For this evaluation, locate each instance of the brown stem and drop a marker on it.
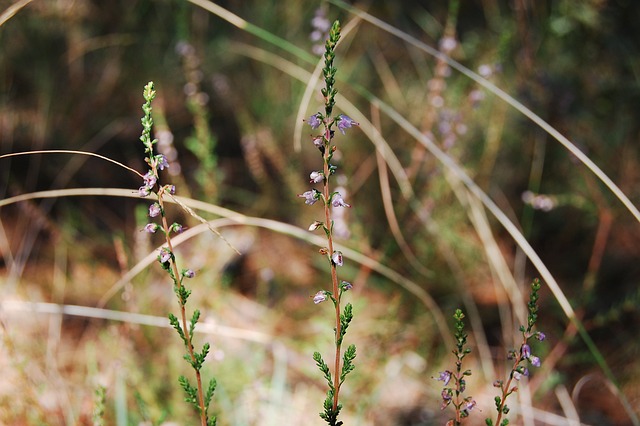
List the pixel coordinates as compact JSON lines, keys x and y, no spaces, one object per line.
{"x":183,"y":313}
{"x":505,"y":388}
{"x":334,"y":273}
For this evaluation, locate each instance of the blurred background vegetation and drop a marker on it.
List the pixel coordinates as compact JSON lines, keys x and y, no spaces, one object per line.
{"x":230,"y":101}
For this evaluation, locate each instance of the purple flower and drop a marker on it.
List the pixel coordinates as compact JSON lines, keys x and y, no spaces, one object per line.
{"x":162,"y":162}
{"x":150,"y":179}
{"x":310,"y":196}
{"x":522,"y":371}
{"x":345,"y":122}
{"x":154,"y":210}
{"x":318,"y":141}
{"x":188,"y":273}
{"x":526,"y":351}
{"x":165,"y":255}
{"x":445,"y":376}
{"x":338,"y":201}
{"x":315,"y":120}
{"x":177,"y":228}
{"x":535,"y":361}
{"x":447,"y":396}
{"x":144,"y":191}
{"x":469,"y":405}
{"x":346,"y":286}
{"x":316,"y":177}
{"x":171,"y":189}
{"x":319,"y":297}
{"x":540,"y":336}
{"x":336,"y":258}
{"x":151,"y":228}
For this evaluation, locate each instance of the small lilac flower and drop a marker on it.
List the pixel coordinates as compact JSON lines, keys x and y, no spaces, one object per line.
{"x":540,"y":336}
{"x":319,"y":297}
{"x":526,"y":351}
{"x":316,"y":177}
{"x":345,"y":122}
{"x":447,"y":397}
{"x":446,"y":394}
{"x":154,"y":210}
{"x":151,"y":228}
{"x":318,"y":141}
{"x":338,"y":201}
{"x":315,"y":120}
{"x":165,"y":255}
{"x":346,"y":285}
{"x":177,"y":228}
{"x":445,"y":376}
{"x":315,"y":225}
{"x":144,"y":191}
{"x":188,"y":273}
{"x":520,"y":372}
{"x":171,"y":189}
{"x":310,"y":196}
{"x":161,"y":162}
{"x":150,"y":179}
{"x":535,"y":361}
{"x":336,"y":258}
{"x":469,"y":405}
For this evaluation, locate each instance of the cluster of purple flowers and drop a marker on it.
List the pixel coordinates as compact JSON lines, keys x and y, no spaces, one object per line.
{"x":335,"y":199}
{"x":150,"y":180}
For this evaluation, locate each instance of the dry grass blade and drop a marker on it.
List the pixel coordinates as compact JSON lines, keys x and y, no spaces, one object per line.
{"x":235,"y":218}
{"x":12,"y":10}
{"x":131,"y":318}
{"x":70,"y":151}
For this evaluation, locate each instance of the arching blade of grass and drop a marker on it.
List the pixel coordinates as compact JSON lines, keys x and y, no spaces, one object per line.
{"x":131,"y":318}
{"x":12,"y":10}
{"x":233,"y":218}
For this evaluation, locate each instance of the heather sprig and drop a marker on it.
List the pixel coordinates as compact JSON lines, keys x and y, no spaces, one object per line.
{"x":100,"y":398}
{"x":453,"y":395}
{"x":519,"y":367}
{"x":343,"y":363}
{"x":195,"y":395}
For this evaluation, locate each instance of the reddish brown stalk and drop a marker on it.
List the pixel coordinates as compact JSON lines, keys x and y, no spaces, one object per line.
{"x":334,"y":273}
{"x":505,"y":388}
{"x":183,"y":314}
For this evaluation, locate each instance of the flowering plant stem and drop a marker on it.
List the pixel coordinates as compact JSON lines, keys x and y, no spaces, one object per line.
{"x":454,"y":395}
{"x":343,"y":363}
{"x":157,"y":162}
{"x":518,"y":370}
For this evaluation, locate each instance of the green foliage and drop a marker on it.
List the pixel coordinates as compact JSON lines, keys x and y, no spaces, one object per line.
{"x":347,"y":362}
{"x":324,"y":368}
{"x":330,"y":415}
{"x":100,"y":399}
{"x":190,"y":391}
{"x":345,"y":319}
{"x":173,"y":320}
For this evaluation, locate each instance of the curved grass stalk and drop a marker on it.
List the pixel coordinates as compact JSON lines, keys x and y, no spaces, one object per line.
{"x":131,"y":318}
{"x":12,"y":10}
{"x":235,"y":218}
{"x":71,"y":151}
